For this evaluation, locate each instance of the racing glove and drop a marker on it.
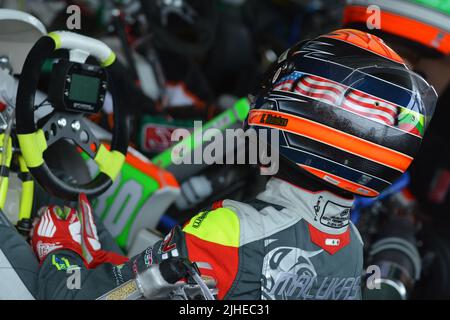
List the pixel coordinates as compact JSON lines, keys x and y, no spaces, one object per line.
{"x":56,"y":229}
{"x":69,"y":229}
{"x":90,"y":243}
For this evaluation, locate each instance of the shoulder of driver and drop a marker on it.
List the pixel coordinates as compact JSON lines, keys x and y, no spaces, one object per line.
{"x":219,"y":226}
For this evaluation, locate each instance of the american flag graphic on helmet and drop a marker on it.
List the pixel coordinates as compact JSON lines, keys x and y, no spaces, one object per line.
{"x":334,"y":93}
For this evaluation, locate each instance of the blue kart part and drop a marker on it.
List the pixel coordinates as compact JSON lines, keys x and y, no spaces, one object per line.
{"x":361,"y":202}
{"x":166,"y":223}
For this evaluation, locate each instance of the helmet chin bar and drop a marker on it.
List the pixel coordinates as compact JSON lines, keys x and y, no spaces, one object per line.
{"x":34,"y":138}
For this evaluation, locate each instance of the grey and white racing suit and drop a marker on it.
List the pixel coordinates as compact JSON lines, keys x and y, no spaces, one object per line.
{"x":18,"y":264}
{"x":288,"y":243}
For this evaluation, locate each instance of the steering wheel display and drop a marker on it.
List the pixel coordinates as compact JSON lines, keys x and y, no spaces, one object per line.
{"x":76,"y":88}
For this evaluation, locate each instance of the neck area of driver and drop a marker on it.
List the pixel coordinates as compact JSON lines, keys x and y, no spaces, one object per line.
{"x":323,"y":209}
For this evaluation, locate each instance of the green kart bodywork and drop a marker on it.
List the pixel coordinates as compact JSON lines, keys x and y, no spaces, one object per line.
{"x":145,"y":189}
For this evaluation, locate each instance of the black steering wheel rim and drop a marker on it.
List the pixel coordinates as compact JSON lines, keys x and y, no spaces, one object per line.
{"x":26,"y":128}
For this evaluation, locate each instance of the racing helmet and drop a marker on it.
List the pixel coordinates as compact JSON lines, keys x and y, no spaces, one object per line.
{"x":348,"y":110}
{"x":18,"y":33}
{"x":424,"y":24}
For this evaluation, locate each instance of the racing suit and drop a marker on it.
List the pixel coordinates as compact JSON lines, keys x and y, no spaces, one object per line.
{"x":289,"y":243}
{"x":18,"y":265}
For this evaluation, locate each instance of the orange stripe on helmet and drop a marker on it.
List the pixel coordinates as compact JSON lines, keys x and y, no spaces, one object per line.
{"x":341,"y":182}
{"x":365,"y":41}
{"x":404,"y":27}
{"x":330,"y":136}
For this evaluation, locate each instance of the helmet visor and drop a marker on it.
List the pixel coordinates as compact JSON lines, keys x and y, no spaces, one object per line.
{"x":381,"y":95}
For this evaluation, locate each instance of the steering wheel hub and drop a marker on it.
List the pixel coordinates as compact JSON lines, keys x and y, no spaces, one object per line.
{"x":76,"y":88}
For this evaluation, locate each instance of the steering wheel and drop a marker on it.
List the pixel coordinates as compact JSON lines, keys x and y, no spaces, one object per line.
{"x":34,"y":138}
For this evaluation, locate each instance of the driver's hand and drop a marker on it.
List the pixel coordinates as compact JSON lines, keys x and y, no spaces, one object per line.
{"x":70,"y":229}
{"x":56,"y":229}
{"x":94,"y":254}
